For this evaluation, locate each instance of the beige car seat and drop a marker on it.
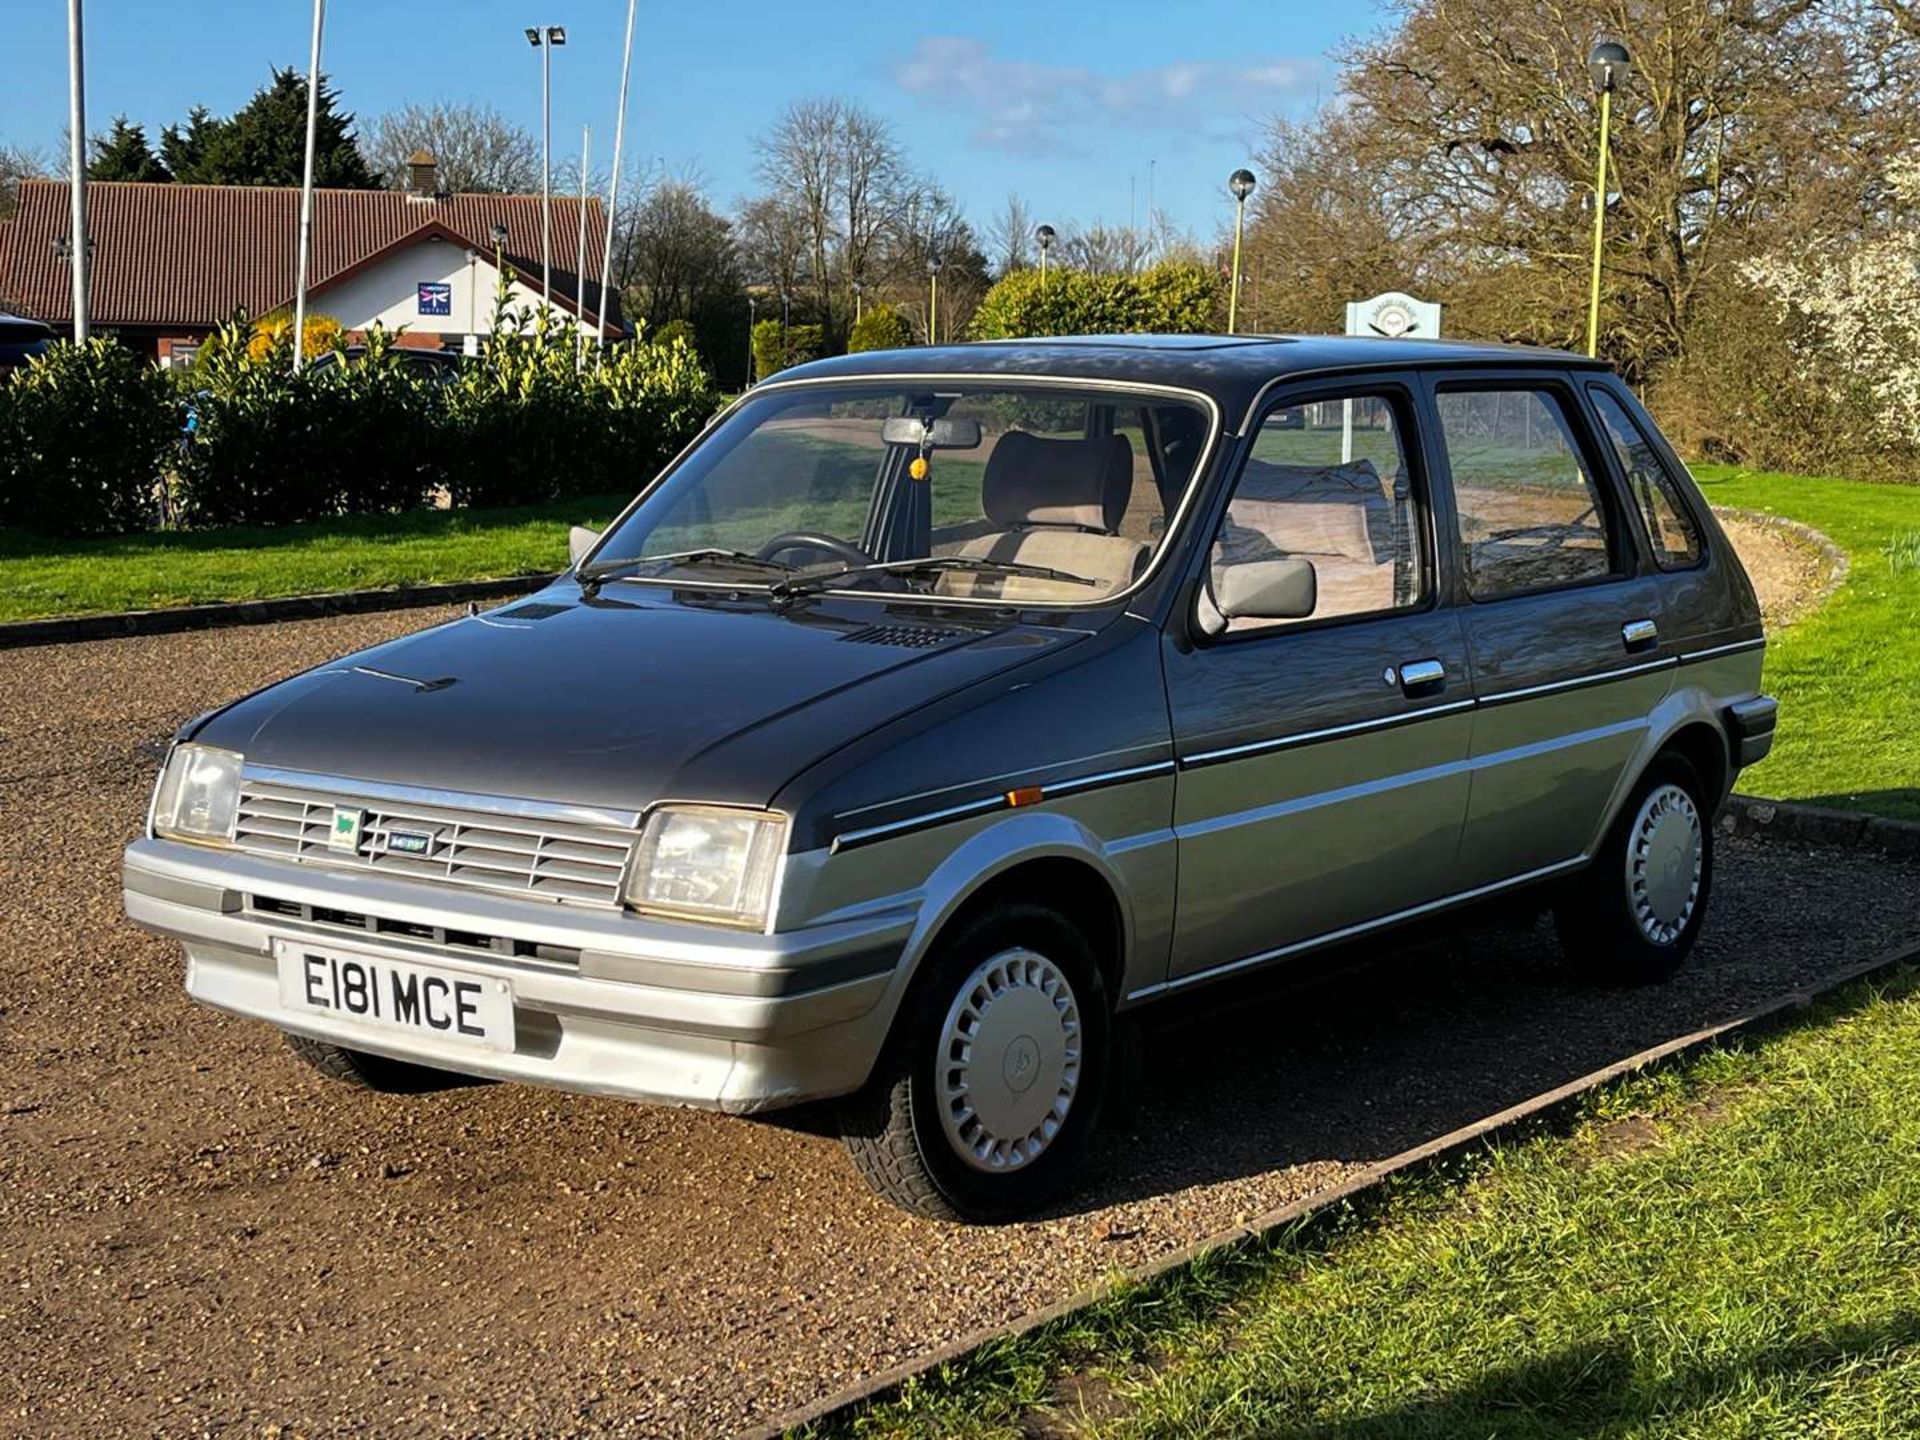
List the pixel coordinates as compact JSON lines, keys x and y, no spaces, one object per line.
{"x":1056,"y":503}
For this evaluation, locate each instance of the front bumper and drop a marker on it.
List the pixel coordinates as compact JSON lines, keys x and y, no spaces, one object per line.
{"x":605,"y":1002}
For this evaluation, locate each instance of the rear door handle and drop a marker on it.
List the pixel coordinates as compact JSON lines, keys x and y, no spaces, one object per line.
{"x":1422,"y":677}
{"x":1638,"y":635}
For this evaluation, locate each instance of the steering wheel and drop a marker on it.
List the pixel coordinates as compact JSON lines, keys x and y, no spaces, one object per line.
{"x":810,"y":540}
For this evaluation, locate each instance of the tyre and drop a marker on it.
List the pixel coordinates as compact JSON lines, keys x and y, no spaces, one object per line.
{"x":984,"y":1100}
{"x":1635,"y":913}
{"x":370,"y":1072}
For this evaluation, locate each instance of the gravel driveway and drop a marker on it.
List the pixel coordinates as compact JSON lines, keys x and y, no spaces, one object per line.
{"x":197,"y":1235}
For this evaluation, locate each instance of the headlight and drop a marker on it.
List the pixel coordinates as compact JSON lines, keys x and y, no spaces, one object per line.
{"x":708,"y":862}
{"x":198,"y":795}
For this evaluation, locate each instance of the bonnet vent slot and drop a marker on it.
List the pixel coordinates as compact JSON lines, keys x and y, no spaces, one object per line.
{"x":909,"y":637}
{"x":534,"y":610}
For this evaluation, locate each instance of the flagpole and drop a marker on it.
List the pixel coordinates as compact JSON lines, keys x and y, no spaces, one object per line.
{"x":580,"y":257}
{"x":613,"y":185}
{"x":77,"y":160}
{"x":306,"y":193}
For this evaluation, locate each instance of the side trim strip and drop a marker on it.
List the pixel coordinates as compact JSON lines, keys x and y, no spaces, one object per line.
{"x":1333,"y":732}
{"x":1579,"y":682}
{"x":1349,"y":932}
{"x":1735,"y":648}
{"x":1079,"y":784}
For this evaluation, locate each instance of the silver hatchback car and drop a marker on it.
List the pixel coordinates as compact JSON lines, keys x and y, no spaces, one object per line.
{"x":937,"y":708}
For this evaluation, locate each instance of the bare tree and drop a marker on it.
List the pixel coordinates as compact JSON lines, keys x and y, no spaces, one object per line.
{"x":773,"y":239}
{"x":683,"y":255}
{"x":476,"y":148}
{"x":1103,"y":249}
{"x":17,"y":163}
{"x":1462,"y":155}
{"x":838,"y":172}
{"x":1009,"y":237}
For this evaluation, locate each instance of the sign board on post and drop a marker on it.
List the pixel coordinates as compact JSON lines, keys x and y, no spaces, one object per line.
{"x":1397,"y":316}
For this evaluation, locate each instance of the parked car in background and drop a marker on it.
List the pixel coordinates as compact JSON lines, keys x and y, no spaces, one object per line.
{"x":21,"y":339}
{"x":938,"y":707}
{"x":440,"y":367}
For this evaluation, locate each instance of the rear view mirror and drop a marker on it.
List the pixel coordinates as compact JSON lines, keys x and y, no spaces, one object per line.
{"x":942,"y":434}
{"x":1260,"y":590}
{"x":580,"y":540}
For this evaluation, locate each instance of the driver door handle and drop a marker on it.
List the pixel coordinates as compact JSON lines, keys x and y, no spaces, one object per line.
{"x":1422,"y":677}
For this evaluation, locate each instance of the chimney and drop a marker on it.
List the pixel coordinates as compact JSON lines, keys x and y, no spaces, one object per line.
{"x":423,"y":176}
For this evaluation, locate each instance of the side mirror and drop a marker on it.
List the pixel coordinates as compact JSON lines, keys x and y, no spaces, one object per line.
{"x":1260,"y":590}
{"x":579,"y":541}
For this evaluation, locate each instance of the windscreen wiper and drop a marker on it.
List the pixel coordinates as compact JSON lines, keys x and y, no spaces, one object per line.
{"x":813,"y":584}
{"x":708,"y":555}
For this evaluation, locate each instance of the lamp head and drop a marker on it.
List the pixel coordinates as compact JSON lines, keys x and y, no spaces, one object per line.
{"x":556,"y":34}
{"x":533,"y":37}
{"x":1045,"y":235}
{"x":1240,"y":183}
{"x":1609,"y":64}
{"x":499,"y":234}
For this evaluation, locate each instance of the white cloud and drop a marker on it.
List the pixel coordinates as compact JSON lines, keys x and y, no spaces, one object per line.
{"x":1030,"y":108}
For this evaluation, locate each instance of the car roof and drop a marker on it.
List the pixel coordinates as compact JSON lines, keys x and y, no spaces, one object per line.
{"x":1233,"y":369}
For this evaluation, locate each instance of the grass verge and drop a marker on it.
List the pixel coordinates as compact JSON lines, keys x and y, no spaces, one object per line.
{"x":1726,"y":1247}
{"x":40,"y":577}
{"x":1848,"y":675}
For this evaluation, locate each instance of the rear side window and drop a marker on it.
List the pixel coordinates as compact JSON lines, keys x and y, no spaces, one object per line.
{"x":1655,"y":491}
{"x":1530,"y":509}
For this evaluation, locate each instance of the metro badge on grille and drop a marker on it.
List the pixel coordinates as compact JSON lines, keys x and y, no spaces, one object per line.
{"x":409,"y":842}
{"x":345,"y":831}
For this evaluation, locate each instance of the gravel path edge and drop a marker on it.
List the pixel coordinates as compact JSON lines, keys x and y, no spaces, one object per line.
{"x":1790,"y":822}
{"x":1370,"y":1181}
{"x":68,"y":629}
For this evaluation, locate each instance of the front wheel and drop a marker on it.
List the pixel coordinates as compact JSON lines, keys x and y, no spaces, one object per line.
{"x":993,"y":1081}
{"x":1637,"y":911}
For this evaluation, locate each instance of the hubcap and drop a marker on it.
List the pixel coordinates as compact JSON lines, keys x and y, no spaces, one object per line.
{"x":1665,"y":857}
{"x":1009,"y":1061}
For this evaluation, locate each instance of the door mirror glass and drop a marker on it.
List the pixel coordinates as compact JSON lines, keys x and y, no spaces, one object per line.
{"x":579,"y":541}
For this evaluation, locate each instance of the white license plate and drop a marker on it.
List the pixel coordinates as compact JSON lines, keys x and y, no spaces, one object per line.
{"x":389,"y":994}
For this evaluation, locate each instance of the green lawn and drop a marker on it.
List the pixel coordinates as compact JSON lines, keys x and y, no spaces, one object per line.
{"x":1848,"y":675}
{"x":1728,"y":1249}
{"x":138,"y":572}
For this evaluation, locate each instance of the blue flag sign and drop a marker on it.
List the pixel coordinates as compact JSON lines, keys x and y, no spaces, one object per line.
{"x":436,"y":297}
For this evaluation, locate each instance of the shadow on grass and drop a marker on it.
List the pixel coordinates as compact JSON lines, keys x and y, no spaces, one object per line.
{"x":1598,"y":1388}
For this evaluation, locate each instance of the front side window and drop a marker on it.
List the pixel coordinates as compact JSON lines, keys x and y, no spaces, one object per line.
{"x":1327,"y":482}
{"x":1044,"y":494}
{"x":1530,"y":510}
{"x":1656,"y":495}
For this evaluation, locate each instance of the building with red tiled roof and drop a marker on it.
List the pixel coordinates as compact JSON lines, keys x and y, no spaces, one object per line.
{"x":170,"y":262}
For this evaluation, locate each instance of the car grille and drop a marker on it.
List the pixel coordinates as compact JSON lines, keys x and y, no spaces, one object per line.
{"x":550,"y":859}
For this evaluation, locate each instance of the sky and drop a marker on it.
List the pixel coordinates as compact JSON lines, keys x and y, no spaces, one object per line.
{"x":1082,"y":107}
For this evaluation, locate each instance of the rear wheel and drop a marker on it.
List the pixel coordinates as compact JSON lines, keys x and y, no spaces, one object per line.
{"x":993,"y":1081}
{"x":1637,"y":911}
{"x":371,"y":1072}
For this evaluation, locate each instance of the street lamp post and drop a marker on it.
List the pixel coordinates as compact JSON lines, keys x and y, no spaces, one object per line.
{"x":77,"y":157}
{"x":306,"y":192}
{"x":1044,"y":237}
{"x":1608,"y":64}
{"x":1240,"y":185}
{"x":934,"y":262}
{"x":858,"y":291}
{"x":580,"y":257}
{"x":753,"y":318}
{"x":543,"y":38}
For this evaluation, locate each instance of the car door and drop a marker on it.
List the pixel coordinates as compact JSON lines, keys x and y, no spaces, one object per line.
{"x":1322,"y":761}
{"x":1562,"y":617}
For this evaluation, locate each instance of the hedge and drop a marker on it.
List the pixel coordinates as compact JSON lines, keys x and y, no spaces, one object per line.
{"x":87,"y":436}
{"x":1176,"y":297}
{"x":881,"y":327}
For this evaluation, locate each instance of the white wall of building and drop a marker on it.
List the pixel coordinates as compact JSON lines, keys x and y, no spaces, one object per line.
{"x":388,"y":292}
